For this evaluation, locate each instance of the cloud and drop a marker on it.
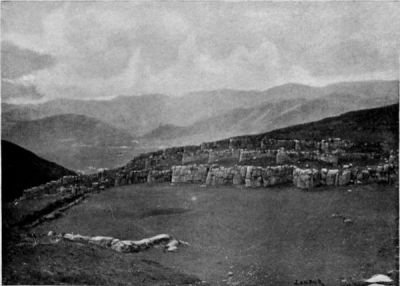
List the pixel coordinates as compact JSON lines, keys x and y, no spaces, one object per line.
{"x":17,"y":62}
{"x":104,"y":49}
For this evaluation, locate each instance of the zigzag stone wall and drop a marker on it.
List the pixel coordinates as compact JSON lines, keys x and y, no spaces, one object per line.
{"x":171,"y":165}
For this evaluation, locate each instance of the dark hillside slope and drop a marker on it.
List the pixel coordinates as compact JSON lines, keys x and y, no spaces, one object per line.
{"x":369,"y":125}
{"x":77,"y":142}
{"x":22,"y":169}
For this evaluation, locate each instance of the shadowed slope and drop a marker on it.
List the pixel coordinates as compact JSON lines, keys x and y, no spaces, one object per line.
{"x":22,"y":169}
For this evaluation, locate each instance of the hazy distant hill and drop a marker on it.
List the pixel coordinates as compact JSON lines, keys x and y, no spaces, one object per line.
{"x":75,"y":141}
{"x":132,"y":114}
{"x":141,"y":114}
{"x":263,"y":118}
{"x":22,"y":169}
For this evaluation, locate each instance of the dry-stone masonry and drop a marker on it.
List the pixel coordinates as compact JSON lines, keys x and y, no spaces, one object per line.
{"x":310,"y":178}
{"x":216,"y":145}
{"x":189,"y":174}
{"x":176,"y":165}
{"x":231,"y":155}
{"x":194,"y":154}
{"x":252,"y":155}
{"x":270,"y":176}
{"x":162,"y":176}
{"x":245,"y":142}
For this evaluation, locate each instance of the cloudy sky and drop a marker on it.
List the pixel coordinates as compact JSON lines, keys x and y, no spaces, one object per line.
{"x":106,"y":49}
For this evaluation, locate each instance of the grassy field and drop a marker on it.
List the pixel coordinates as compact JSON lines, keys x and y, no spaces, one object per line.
{"x":263,"y":236}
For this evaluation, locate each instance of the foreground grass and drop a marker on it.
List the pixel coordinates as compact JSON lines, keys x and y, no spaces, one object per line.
{"x":263,"y":236}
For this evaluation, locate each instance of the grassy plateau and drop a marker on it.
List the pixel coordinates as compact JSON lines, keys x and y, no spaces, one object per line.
{"x":262,"y":236}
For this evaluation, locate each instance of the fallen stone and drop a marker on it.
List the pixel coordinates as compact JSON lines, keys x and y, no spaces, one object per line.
{"x":347,"y":221}
{"x":379,"y":278}
{"x":127,"y":246}
{"x":105,"y":241}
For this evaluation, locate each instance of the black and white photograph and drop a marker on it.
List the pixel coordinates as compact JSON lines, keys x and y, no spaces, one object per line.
{"x":227,"y":143}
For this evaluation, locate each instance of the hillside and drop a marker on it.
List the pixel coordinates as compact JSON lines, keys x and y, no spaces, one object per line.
{"x":369,"y":125}
{"x":75,"y":141}
{"x":140,"y":115}
{"x":22,"y":169}
{"x":264,"y":118}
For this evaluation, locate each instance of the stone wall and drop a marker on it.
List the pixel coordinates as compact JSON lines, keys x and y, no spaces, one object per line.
{"x":307,"y":145}
{"x":303,"y":179}
{"x":219,"y":175}
{"x":332,"y":144}
{"x":67,"y":184}
{"x":139,"y":162}
{"x":216,"y":145}
{"x":157,"y":176}
{"x":253,"y":155}
{"x":165,"y":165}
{"x":306,"y":178}
{"x":245,"y":142}
{"x":345,"y":157}
{"x":270,"y":176}
{"x":230,"y":155}
{"x":164,"y":159}
{"x":329,"y":158}
{"x":189,"y":174}
{"x":268,"y":143}
{"x":197,"y":156}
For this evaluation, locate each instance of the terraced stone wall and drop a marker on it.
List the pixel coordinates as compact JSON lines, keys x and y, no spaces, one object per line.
{"x":189,"y":174}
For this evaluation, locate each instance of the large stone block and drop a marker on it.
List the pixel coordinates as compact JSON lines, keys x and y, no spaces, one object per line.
{"x":344,"y":177}
{"x":332,"y":177}
{"x":189,"y":174}
{"x":219,"y":175}
{"x":306,"y":178}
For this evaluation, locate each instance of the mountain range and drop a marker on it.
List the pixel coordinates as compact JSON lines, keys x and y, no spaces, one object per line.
{"x":84,"y":134}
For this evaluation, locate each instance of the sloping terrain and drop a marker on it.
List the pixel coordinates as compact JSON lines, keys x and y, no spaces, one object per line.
{"x":141,"y":114}
{"x":22,"y":169}
{"x":260,"y":119}
{"x":68,"y":263}
{"x":370,"y":125}
{"x":75,"y":141}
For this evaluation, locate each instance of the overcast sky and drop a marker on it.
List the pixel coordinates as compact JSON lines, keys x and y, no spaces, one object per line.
{"x":105,"y":49}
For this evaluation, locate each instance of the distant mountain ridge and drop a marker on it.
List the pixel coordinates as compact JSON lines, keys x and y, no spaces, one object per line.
{"x":266,"y":117}
{"x":22,"y":169}
{"x":90,"y":134}
{"x":138,"y":115}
